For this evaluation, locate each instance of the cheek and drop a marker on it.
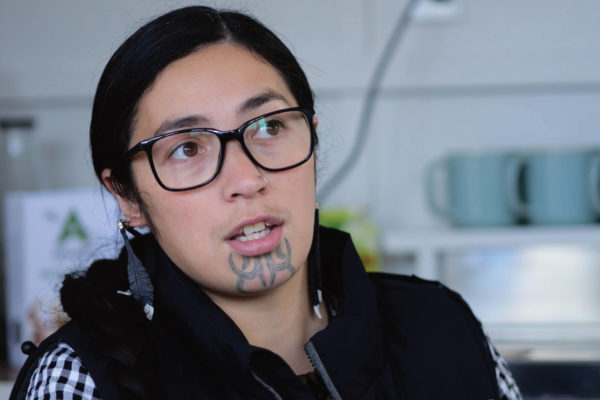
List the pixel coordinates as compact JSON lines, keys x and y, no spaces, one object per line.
{"x":143,"y":179}
{"x":301,"y":196}
{"x":178,"y":214}
{"x":297,"y":190}
{"x":305,"y":187}
{"x":169,"y":213}
{"x":185,"y":231}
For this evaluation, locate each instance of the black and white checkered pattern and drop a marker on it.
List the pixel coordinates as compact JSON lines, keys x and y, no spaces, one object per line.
{"x":61,"y":376}
{"x":507,"y":385}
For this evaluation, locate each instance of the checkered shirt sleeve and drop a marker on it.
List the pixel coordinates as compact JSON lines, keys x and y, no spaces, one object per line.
{"x":506,"y":383}
{"x":61,"y":376}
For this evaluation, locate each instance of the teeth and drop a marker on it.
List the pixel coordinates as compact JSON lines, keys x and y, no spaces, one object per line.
{"x":253,"y":232}
{"x":254,"y":236}
{"x":249,"y":229}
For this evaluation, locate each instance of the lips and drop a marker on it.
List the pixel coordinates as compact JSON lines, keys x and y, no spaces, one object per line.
{"x":256,"y":236}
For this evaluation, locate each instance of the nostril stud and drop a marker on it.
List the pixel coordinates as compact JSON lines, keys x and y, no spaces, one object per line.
{"x":264,"y":179}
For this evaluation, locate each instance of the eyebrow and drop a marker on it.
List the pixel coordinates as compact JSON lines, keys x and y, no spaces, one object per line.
{"x":180,"y":123}
{"x":250,"y":104}
{"x":260,"y":99}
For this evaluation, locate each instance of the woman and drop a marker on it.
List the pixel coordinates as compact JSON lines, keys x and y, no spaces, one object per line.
{"x":203,"y":129}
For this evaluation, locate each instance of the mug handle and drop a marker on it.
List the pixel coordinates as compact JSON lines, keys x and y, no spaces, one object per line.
{"x":516,"y":201}
{"x":432,"y":199}
{"x":595,"y":183}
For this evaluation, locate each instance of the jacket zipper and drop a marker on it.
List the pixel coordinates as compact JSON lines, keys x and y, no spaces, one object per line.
{"x":314,"y":358}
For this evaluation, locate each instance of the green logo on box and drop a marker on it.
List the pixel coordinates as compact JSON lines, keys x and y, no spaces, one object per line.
{"x":72,"y":229}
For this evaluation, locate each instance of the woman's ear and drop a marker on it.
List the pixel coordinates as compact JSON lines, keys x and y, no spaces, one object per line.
{"x":130,"y":209}
{"x":315,"y":122}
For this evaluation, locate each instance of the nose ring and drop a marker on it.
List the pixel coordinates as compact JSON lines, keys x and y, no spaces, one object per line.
{"x":265,"y":180}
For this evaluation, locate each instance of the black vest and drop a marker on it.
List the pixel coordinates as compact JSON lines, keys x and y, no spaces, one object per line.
{"x":392,"y":337}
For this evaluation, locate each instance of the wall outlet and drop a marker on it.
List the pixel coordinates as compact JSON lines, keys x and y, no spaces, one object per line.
{"x":438,"y":10}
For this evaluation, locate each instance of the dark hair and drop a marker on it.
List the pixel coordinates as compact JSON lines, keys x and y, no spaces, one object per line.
{"x":115,"y":322}
{"x":136,"y":64}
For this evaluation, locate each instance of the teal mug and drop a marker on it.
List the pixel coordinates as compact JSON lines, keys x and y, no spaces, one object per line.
{"x":562,"y":187}
{"x":475,"y":190}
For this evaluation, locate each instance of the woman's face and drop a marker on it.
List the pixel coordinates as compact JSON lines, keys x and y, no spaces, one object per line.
{"x":223,"y":86}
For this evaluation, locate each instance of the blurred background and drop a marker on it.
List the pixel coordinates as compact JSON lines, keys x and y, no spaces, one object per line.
{"x":479,"y":165}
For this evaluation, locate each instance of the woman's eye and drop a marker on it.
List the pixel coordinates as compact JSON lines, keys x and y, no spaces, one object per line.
{"x":273,"y":127}
{"x":185,"y":150}
{"x":264,"y":128}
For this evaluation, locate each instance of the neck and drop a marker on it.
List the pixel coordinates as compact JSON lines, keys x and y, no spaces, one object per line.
{"x":281,"y":320}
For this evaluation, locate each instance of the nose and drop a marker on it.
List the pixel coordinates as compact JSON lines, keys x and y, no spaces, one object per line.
{"x":240,"y":177}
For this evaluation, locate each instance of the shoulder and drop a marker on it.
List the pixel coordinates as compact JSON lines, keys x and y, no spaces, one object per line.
{"x":410,"y":294}
{"x":411,"y":304}
{"x":60,"y":374}
{"x":431,"y":332}
{"x":413,"y":283}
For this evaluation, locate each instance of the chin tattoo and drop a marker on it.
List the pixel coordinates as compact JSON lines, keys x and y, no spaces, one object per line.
{"x":263,"y":268}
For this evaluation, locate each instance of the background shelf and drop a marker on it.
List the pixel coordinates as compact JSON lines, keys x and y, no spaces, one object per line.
{"x":425,"y":245}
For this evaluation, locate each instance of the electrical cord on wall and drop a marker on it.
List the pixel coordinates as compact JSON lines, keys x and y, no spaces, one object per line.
{"x":369,"y":102}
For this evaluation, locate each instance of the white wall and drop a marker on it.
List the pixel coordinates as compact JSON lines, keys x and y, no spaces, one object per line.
{"x":511,"y":74}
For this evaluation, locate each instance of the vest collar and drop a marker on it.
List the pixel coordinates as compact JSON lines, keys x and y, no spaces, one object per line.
{"x":350,"y":348}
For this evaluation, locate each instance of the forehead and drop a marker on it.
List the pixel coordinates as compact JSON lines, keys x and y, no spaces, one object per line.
{"x":213,"y":81}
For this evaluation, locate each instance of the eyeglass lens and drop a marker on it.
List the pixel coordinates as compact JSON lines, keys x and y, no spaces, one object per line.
{"x":191,"y":158}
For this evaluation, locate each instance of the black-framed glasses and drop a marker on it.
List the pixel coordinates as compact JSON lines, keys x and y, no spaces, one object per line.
{"x":190,"y":158}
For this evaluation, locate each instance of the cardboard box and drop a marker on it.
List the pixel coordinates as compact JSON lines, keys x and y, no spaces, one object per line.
{"x":48,"y":234}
